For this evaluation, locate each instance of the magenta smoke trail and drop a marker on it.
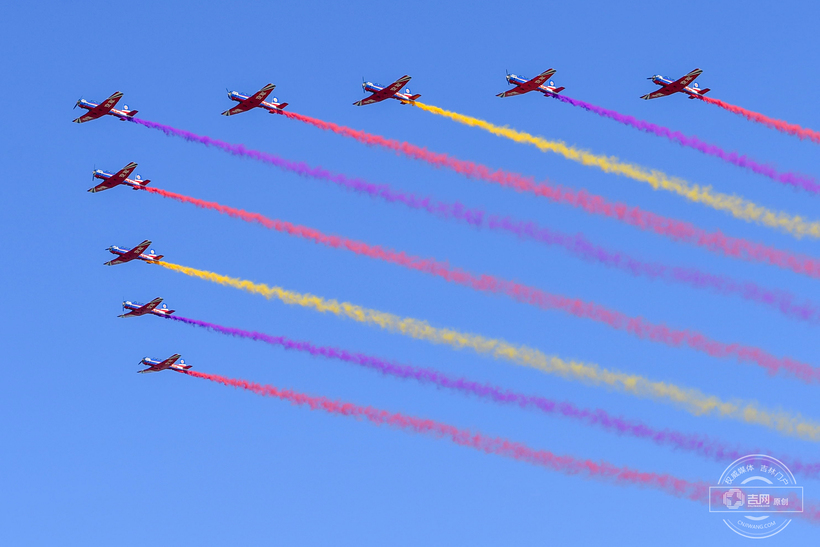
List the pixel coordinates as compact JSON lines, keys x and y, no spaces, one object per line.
{"x":699,"y":444}
{"x":792,"y":179}
{"x":577,"y":244}
{"x":676,"y":230}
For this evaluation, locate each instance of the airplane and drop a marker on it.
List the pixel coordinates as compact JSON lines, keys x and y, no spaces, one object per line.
{"x":380,"y":93}
{"x":669,"y":87}
{"x":138,"y":309}
{"x":155,"y":365}
{"x":523,"y":85}
{"x":247,"y":102}
{"x":127,"y":255}
{"x":106,"y":107}
{"x":120,"y":177}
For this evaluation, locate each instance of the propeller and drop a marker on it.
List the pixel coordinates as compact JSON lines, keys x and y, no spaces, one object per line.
{"x":77,"y":103}
{"x":364,"y":86}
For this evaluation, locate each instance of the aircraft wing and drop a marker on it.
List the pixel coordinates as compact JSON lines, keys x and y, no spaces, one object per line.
{"x":115,"y":179}
{"x":385,"y":93}
{"x":662,"y":92}
{"x":101,"y":109}
{"x":688,"y":79}
{"x":529,"y":85}
{"x":251,"y":102}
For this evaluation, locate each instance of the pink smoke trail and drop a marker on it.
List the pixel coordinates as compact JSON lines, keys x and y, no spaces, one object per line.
{"x":784,"y":127}
{"x":699,"y":444}
{"x":530,"y":295}
{"x":577,"y":245}
{"x":604,"y":471}
{"x":793,"y":179}
{"x":591,"y":203}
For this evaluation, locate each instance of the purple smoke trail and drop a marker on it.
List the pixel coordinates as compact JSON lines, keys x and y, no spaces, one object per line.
{"x":576,"y":244}
{"x":793,"y":179}
{"x":699,"y":444}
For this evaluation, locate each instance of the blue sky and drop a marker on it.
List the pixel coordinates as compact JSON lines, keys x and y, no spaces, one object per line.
{"x":95,"y":454}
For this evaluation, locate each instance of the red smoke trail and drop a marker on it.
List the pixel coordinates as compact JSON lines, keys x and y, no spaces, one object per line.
{"x":697,"y":491}
{"x":676,"y":230}
{"x":790,"y":128}
{"x":523,"y":293}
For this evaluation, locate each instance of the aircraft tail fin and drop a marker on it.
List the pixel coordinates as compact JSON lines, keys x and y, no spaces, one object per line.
{"x":283,"y":105}
{"x":704,"y":91}
{"x":157,"y":258}
{"x":559,"y":89}
{"x":143,"y":183}
{"x":414,"y":97}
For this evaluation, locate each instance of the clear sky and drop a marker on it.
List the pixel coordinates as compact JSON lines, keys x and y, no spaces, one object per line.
{"x":94,"y":454}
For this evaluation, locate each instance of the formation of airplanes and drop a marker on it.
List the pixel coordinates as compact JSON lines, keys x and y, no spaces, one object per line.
{"x":541,"y":83}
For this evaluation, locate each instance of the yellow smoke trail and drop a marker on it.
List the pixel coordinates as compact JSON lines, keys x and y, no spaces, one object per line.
{"x":737,"y":206}
{"x":692,"y":400}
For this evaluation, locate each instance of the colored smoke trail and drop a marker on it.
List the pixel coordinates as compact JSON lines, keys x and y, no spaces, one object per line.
{"x":691,"y":400}
{"x":792,"y":179}
{"x":575,"y":244}
{"x":790,"y":128}
{"x":473,"y":439}
{"x":699,"y":444}
{"x":739,"y":207}
{"x":635,"y":326}
{"x":593,"y":204}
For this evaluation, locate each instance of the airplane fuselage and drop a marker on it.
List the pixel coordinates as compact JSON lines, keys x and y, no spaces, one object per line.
{"x":121,"y":114}
{"x":512,"y":79}
{"x":137,"y":184}
{"x":273,"y":107}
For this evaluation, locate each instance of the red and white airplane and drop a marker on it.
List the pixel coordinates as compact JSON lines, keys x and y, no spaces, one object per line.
{"x":155,"y":365}
{"x":127,"y":255}
{"x":137,"y":309}
{"x":106,"y":107}
{"x":247,"y":102}
{"x":522,"y":85}
{"x":680,"y":85}
{"x":120,"y":177}
{"x":380,"y":93}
